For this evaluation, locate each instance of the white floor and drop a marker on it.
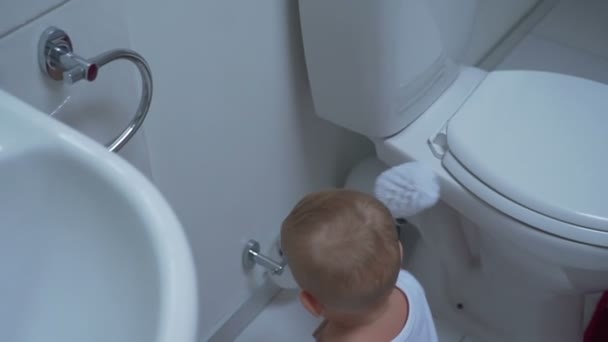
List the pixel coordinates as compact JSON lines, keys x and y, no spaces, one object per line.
{"x":285,"y":320}
{"x":571,"y":40}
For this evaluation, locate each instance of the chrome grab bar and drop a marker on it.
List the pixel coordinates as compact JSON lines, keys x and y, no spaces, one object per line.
{"x":57,"y":61}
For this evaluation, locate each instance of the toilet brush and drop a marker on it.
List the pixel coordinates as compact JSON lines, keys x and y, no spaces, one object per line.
{"x":407,"y":189}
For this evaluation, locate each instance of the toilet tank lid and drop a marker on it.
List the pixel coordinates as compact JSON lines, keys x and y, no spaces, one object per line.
{"x":539,"y":139}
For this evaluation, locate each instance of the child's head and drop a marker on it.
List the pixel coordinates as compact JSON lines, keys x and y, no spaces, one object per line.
{"x":343,"y":250}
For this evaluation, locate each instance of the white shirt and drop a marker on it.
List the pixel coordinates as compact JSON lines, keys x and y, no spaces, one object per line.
{"x":419,"y":326}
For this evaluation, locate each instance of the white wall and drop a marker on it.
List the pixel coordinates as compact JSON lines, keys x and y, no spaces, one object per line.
{"x":494,"y":19}
{"x":233,"y":138}
{"x":471,"y":28}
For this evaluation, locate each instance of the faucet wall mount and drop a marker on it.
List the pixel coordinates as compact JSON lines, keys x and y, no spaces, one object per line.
{"x":57,"y":59}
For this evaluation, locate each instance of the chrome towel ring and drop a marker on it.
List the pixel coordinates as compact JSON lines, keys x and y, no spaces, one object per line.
{"x":57,"y":61}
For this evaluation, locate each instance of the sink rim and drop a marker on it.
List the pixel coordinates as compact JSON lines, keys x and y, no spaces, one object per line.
{"x":178,"y":303}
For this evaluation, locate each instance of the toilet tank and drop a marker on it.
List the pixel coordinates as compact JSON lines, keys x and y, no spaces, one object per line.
{"x":456,"y":19}
{"x":374,"y":65}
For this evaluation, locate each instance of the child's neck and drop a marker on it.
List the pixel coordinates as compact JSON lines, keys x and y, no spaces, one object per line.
{"x":347,"y":321}
{"x":383,"y":322}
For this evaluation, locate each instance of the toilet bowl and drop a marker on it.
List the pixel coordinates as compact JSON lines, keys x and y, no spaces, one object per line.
{"x":520,"y":273}
{"x":521,"y":231}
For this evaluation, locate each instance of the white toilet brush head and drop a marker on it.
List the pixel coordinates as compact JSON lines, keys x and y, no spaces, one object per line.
{"x":407,"y":189}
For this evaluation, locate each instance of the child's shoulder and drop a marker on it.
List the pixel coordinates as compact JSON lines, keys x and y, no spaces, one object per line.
{"x":407,"y":282}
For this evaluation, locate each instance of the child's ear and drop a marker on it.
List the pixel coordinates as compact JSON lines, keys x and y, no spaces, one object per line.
{"x":400,"y":251}
{"x":311,"y":303}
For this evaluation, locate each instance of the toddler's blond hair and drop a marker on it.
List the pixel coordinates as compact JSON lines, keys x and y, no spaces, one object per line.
{"x":343,"y":248}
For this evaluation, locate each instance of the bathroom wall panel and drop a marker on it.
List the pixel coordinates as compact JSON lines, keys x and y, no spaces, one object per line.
{"x":493,"y":20}
{"x":233,"y":137}
{"x":100,"y":109}
{"x":16,"y":13}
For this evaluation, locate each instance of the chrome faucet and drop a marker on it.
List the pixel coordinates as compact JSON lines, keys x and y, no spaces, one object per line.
{"x":59,"y":62}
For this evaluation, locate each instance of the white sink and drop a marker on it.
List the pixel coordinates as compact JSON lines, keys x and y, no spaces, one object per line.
{"x":89,"y":249}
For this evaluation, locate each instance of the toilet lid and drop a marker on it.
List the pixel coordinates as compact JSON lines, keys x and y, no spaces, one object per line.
{"x":541,"y":140}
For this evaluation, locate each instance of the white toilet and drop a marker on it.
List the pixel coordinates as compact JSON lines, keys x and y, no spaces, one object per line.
{"x":521,"y":231}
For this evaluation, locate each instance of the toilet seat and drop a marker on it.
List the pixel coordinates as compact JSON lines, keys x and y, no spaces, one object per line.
{"x":520,"y":134}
